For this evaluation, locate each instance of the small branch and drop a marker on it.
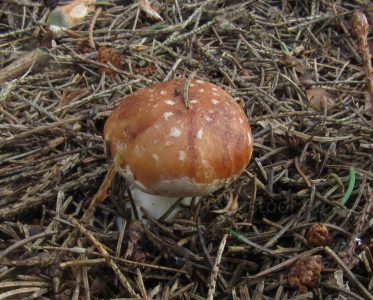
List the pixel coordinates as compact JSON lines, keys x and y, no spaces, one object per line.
{"x":367,"y":295}
{"x":24,"y":64}
{"x":126,"y":284}
{"x":215,"y":269}
{"x":363,"y":219}
{"x":301,"y":173}
{"x":186,"y":89}
{"x":91,"y":27}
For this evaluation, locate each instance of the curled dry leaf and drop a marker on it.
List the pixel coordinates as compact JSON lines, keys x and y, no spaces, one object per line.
{"x":83,"y":46}
{"x":72,"y":95}
{"x":135,"y":234}
{"x":146,"y":7}
{"x":270,"y":124}
{"x":231,"y":208}
{"x":300,"y":65}
{"x":359,"y":24}
{"x":320,"y":98}
{"x":360,"y":28}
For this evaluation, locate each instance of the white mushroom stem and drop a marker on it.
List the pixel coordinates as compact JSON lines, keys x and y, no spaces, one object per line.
{"x":156,"y":206}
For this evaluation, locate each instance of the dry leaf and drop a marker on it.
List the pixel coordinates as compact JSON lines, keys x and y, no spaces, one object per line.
{"x":231,"y":208}
{"x":83,"y":46}
{"x":268,"y":123}
{"x":149,"y":10}
{"x":135,"y":234}
{"x":300,"y":65}
{"x":72,"y":96}
{"x":320,"y":98}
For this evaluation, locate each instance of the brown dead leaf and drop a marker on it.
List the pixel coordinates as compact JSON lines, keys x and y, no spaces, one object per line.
{"x":300,"y":65}
{"x":72,"y":96}
{"x":146,"y":7}
{"x":320,"y":98}
{"x":135,"y":233}
{"x":231,"y":208}
{"x":83,"y":46}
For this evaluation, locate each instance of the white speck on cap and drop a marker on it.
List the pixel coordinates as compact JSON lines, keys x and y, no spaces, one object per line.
{"x":200,"y":134}
{"x":175,"y":132}
{"x":200,"y":81}
{"x":163,"y":92}
{"x":169,"y":102}
{"x":167,"y":115}
{"x":215,"y":102}
{"x":193,"y":101}
{"x":156,"y":157}
{"x":201,"y":90}
{"x":181,"y":155}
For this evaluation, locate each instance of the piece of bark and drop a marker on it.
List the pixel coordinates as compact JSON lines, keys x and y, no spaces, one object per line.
{"x":31,"y":61}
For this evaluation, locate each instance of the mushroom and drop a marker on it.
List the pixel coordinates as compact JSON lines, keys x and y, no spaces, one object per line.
{"x":171,"y":150}
{"x":69,"y":15}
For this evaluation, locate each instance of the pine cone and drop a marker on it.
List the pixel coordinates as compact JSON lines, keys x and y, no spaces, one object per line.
{"x":306,"y":273}
{"x":108,"y":55}
{"x":318,"y":235}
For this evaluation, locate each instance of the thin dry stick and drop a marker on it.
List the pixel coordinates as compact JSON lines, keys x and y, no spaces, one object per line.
{"x":122,"y":278}
{"x":84,"y":272}
{"x":92,"y":26}
{"x":363,"y":219}
{"x":301,"y":173}
{"x":367,"y":295}
{"x":94,"y":261}
{"x":101,"y":194}
{"x":215,"y":269}
{"x":284,"y":264}
{"x":13,"y":294}
{"x":141,"y":285}
{"x":25,"y":241}
{"x":360,"y":27}
{"x":186,"y":89}
{"x":37,"y":130}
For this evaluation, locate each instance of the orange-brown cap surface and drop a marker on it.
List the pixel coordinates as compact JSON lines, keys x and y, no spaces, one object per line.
{"x":172,"y":150}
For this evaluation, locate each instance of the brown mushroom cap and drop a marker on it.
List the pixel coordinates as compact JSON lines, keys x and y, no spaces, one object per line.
{"x":171,"y":150}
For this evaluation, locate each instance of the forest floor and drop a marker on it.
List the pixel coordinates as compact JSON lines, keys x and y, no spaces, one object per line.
{"x":302,"y":228}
